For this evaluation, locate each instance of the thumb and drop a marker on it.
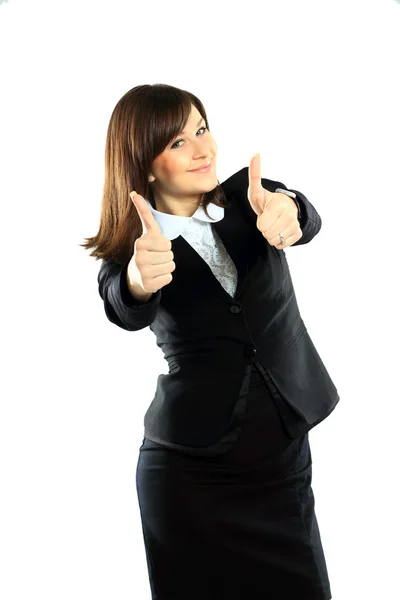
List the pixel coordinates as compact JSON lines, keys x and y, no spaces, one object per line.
{"x":149,"y":223}
{"x":256,"y":191}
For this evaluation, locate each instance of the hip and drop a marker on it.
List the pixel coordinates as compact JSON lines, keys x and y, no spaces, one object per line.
{"x":260,"y":440}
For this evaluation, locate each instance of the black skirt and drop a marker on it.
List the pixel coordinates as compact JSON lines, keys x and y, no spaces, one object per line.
{"x":238,"y":526}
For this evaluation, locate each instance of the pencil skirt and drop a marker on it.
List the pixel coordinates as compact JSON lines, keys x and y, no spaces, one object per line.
{"x":238,"y":526}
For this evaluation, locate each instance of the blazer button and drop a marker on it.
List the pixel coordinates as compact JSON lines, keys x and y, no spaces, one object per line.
{"x":234,"y":308}
{"x":249,"y":351}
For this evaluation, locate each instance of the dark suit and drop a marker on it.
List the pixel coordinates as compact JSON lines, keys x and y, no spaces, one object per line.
{"x":210,"y":339}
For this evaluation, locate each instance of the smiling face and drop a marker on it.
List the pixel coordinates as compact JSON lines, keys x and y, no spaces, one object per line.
{"x":177,"y":189}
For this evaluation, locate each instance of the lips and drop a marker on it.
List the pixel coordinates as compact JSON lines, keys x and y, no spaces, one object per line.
{"x":202,"y":167}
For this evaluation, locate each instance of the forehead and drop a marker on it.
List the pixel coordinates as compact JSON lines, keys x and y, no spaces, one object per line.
{"x":194,"y":119}
{"x":194,"y":114}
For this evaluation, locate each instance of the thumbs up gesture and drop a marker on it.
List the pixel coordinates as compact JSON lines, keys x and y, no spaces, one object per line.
{"x":277,"y":212}
{"x":152,"y":262}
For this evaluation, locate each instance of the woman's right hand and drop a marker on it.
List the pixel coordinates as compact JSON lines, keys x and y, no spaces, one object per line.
{"x":152,"y":262}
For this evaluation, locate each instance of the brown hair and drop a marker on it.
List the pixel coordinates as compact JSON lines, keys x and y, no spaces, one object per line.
{"x":144,"y":121}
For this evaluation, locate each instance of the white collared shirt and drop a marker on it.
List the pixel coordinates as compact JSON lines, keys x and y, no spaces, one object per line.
{"x":197,"y":231}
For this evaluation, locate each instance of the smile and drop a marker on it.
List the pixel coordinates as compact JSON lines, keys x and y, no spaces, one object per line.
{"x":205,"y":170}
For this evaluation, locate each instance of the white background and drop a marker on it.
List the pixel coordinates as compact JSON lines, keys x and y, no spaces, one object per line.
{"x":313,"y":87}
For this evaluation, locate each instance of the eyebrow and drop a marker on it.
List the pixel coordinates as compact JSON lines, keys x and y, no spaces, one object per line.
{"x":180,"y":133}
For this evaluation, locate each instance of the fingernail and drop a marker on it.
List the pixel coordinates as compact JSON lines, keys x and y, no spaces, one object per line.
{"x":132,"y":194}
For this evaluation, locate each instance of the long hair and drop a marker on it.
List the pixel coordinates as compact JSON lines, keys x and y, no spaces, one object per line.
{"x":144,"y":121}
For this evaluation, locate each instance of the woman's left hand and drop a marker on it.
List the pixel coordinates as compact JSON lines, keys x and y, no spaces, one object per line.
{"x":277,"y":212}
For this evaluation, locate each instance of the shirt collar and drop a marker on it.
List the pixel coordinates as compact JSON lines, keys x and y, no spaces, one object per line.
{"x":173,"y":225}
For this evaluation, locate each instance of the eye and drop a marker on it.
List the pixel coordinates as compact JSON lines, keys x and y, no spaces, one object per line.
{"x":177,"y":141}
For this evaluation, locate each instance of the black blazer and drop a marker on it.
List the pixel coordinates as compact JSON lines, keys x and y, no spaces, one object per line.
{"x":211,"y":339}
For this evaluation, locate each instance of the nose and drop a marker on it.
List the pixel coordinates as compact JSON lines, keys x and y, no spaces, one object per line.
{"x":205,"y":152}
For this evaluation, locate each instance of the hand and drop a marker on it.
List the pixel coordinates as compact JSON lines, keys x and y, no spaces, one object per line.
{"x":277,"y":212}
{"x":152,"y":262}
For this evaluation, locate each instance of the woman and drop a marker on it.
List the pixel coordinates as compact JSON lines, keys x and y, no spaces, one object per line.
{"x":224,"y":470}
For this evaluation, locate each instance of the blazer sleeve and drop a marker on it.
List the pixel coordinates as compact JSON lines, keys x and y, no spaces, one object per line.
{"x":120,"y":306}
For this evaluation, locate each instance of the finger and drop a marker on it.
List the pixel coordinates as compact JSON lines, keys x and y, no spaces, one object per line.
{"x":153,"y":256}
{"x":272,"y":223}
{"x":150,"y":271}
{"x":290,"y":236}
{"x":289,"y":240}
{"x":256,"y":190}
{"x":149,"y":223}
